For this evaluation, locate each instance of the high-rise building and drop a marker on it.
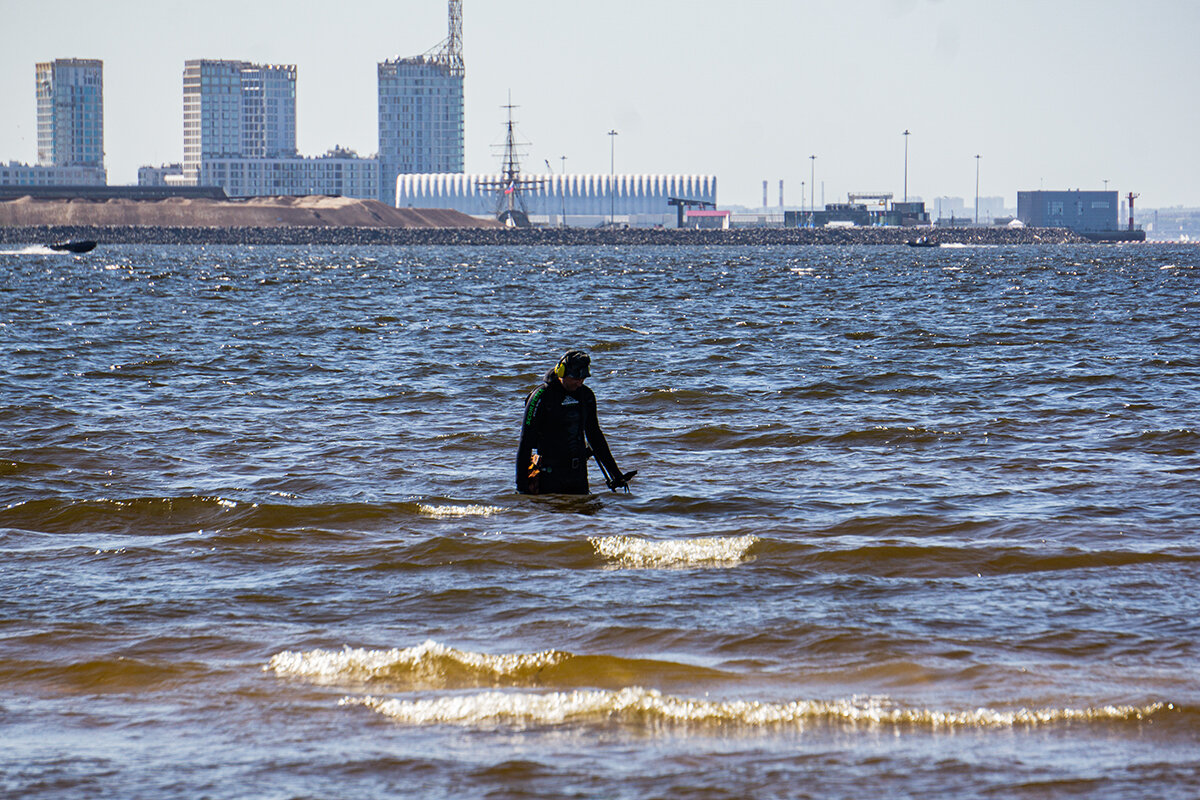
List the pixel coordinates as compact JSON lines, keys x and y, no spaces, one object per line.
{"x":70,"y":113}
{"x":421,"y":111}
{"x":70,"y":127}
{"x":235,"y":109}
{"x":239,"y":133}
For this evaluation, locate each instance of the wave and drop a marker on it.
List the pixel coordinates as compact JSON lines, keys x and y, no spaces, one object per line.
{"x":650,"y":708}
{"x":937,"y":561}
{"x":436,"y":533}
{"x":432,"y":665}
{"x":1174,"y":442}
{"x":104,"y":674}
{"x":631,"y":551}
{"x":722,"y":437}
{"x":188,"y":513}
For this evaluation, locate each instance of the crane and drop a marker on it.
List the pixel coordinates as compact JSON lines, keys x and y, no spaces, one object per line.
{"x":680,"y":203}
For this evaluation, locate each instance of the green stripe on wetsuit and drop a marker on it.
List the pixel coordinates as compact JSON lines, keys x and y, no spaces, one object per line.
{"x":531,"y":404}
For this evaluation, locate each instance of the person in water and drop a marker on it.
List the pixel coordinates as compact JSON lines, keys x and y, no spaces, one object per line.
{"x":560,"y":424}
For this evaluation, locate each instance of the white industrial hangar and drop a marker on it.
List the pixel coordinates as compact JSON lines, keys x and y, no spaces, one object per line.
{"x":585,"y":200}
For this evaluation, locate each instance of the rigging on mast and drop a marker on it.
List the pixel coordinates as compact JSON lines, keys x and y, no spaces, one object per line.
{"x":509,"y":189}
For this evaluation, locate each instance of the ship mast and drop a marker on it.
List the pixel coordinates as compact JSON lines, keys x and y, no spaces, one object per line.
{"x":510,"y":199}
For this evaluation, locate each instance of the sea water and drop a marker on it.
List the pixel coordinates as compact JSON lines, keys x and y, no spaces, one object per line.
{"x":907,"y":523}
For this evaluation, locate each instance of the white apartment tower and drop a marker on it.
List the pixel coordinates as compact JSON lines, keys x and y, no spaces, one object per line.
{"x":421,"y":111}
{"x":235,"y":109}
{"x":70,"y":113}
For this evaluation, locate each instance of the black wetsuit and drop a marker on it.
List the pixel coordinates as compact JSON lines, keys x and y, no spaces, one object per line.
{"x":560,"y":426}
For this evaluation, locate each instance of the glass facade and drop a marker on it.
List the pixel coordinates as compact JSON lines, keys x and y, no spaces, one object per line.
{"x":234,"y":109}
{"x":70,"y":113}
{"x":420,"y":120}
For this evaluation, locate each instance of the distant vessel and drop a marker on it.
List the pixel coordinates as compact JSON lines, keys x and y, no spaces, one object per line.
{"x":510,"y":198}
{"x":921,"y":241}
{"x":74,"y":246}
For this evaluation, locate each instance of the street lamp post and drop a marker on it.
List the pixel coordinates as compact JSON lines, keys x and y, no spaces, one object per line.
{"x":612,"y":178}
{"x":564,"y":191}
{"x":906,"y":134}
{"x":812,"y":181}
{"x":976,"y":188}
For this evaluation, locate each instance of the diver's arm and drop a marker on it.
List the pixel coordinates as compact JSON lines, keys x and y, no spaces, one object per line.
{"x":530,"y":424}
{"x":524,"y":455}
{"x":599,"y":444}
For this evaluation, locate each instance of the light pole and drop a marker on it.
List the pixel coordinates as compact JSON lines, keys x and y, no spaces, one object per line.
{"x":812,"y":181}
{"x":906,"y":134}
{"x":612,"y":177}
{"x":976,"y":188}
{"x":564,"y":191}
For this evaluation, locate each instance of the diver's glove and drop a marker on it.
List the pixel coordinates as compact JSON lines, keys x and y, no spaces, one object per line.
{"x":622,"y":482}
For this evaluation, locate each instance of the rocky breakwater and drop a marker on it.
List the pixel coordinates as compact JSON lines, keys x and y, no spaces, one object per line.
{"x":497,"y":236}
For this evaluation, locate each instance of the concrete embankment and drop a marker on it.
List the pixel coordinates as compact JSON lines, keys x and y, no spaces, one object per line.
{"x":352,"y":235}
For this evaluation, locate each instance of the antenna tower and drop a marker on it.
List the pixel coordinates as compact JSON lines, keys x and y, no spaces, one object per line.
{"x":510,"y":200}
{"x":449,"y":53}
{"x":452,"y":55}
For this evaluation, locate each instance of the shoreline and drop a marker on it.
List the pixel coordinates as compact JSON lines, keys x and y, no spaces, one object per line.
{"x":387,"y":236}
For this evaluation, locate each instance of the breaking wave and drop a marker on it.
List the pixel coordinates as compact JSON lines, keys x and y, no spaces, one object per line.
{"x":426,"y":665}
{"x":432,"y":665}
{"x":649,"y":707}
{"x":450,"y":512}
{"x":632,"y":551}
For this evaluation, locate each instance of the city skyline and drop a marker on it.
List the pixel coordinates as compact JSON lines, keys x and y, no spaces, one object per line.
{"x":1078,"y":95}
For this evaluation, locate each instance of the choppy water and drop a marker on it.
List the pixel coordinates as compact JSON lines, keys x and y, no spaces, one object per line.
{"x":907,"y":524}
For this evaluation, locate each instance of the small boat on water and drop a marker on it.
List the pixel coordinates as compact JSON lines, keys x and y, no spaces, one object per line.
{"x":921,"y":241}
{"x":74,"y":246}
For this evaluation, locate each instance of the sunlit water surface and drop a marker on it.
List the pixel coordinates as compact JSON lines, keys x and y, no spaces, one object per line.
{"x":908,"y":523}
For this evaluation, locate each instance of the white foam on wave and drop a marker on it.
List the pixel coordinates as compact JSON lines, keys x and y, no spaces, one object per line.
{"x":426,"y":663}
{"x":631,"y":551}
{"x":450,"y":512}
{"x":636,"y":705}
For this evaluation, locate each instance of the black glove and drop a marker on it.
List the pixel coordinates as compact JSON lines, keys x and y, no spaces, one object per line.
{"x":621,"y":482}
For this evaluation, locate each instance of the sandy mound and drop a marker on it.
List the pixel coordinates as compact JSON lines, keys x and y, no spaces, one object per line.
{"x":255,"y":212}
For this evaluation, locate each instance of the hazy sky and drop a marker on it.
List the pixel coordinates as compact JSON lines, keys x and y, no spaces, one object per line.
{"x":1051,"y":93}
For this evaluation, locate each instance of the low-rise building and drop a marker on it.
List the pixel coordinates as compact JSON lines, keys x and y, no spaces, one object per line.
{"x":708,"y":218}
{"x":15,"y":174}
{"x":338,"y":172}
{"x":1079,"y":211}
{"x":164,"y":175}
{"x":859,"y":215}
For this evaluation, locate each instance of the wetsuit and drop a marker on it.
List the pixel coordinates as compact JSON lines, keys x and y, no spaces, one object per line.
{"x":560,"y":426}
